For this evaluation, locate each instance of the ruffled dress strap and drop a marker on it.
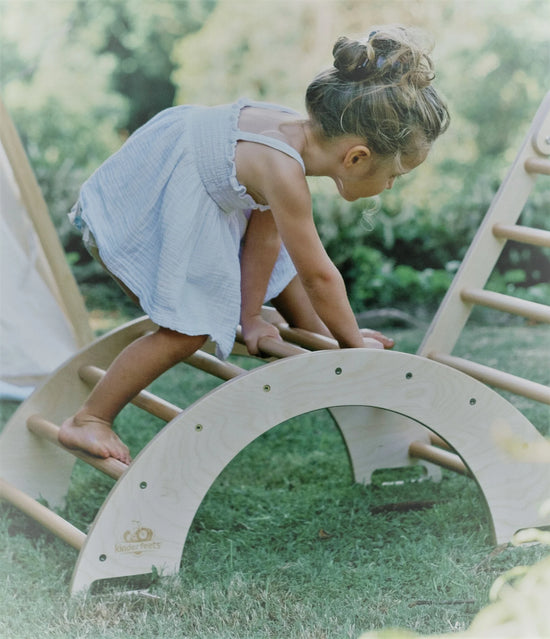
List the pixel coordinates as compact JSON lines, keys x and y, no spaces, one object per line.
{"x":274,"y":143}
{"x":279,"y":145}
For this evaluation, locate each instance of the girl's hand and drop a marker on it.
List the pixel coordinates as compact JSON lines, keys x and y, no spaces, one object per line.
{"x":255,"y":328}
{"x":369,"y":335}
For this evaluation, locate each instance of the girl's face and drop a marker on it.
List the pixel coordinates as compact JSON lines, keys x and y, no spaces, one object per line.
{"x":365,"y":179}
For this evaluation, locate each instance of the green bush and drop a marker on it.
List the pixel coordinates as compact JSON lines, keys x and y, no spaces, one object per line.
{"x":394,"y":254}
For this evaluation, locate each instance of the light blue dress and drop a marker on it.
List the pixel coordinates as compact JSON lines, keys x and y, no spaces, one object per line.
{"x":168,"y":215}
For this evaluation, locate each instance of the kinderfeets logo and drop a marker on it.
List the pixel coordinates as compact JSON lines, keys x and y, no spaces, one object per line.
{"x":137,"y":540}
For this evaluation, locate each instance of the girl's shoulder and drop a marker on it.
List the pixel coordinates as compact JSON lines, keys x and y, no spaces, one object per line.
{"x":273,"y":126}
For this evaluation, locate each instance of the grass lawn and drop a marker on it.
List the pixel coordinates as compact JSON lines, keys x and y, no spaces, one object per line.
{"x":285,"y":545}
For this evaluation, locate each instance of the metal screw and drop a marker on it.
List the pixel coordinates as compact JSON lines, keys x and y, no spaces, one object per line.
{"x":267,"y":388}
{"x":547,"y":139}
{"x":198,"y":427}
{"x":102,"y":557}
{"x":408,"y":376}
{"x":338,"y":371}
{"x":473,"y":401}
{"x":143,"y":485}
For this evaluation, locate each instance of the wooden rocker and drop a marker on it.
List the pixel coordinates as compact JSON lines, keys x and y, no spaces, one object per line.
{"x":392,"y":408}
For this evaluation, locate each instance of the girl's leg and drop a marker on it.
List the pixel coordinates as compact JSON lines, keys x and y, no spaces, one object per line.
{"x":140,"y":363}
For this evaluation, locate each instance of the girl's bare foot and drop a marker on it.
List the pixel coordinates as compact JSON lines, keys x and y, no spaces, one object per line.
{"x":94,"y":436}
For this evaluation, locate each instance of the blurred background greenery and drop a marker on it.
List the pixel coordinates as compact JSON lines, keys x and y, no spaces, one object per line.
{"x":78,"y":76}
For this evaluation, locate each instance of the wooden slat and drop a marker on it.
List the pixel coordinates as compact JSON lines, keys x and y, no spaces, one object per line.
{"x":537,"y":165}
{"x":145,"y":400}
{"x":44,"y":516}
{"x":422,"y":450}
{"x":45,"y":429}
{"x":514,"y":305}
{"x":495,"y":377}
{"x":536,"y":237}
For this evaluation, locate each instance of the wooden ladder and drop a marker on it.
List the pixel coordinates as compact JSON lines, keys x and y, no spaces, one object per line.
{"x":468,"y":288}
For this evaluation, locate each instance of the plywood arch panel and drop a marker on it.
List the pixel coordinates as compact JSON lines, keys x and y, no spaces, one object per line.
{"x":145,"y":520}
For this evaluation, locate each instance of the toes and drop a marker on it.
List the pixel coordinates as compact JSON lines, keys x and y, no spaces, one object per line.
{"x":95,"y":437}
{"x":123,"y":456}
{"x":122,"y":453}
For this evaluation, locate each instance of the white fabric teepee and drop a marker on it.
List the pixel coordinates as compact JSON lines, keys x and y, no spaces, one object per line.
{"x":38,"y":295}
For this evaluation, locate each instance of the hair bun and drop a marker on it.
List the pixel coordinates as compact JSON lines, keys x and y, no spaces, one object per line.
{"x":390,"y":55}
{"x":351,"y":58}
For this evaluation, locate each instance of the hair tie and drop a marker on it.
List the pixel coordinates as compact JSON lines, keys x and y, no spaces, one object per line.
{"x":363,"y":65}
{"x":359,"y":72}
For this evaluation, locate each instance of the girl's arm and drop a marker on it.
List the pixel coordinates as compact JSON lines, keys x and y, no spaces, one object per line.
{"x":285,"y":188}
{"x":295,"y":306}
{"x":261,"y":246}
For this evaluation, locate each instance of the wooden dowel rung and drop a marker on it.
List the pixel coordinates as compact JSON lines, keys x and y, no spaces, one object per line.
{"x":306,"y":339}
{"x":44,"y":516}
{"x":272,"y":347}
{"x":532,"y":310}
{"x":537,"y":165}
{"x":436,"y":440}
{"x":145,"y":400}
{"x":278,"y":348}
{"x":211,"y":364}
{"x":494,"y":377}
{"x":527,"y":235}
{"x":45,"y":429}
{"x":422,"y":450}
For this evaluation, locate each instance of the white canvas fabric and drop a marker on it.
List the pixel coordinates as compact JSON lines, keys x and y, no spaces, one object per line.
{"x":35,"y":334}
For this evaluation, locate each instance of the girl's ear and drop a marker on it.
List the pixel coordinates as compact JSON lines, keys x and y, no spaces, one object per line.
{"x":357,"y":155}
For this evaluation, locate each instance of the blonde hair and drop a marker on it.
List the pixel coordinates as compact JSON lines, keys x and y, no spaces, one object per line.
{"x":380,"y":90}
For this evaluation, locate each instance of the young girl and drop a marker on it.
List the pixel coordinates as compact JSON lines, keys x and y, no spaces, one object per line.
{"x":205,"y":213}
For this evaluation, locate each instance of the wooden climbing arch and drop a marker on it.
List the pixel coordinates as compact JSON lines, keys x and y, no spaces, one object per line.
{"x":164,"y":486}
{"x":392,"y":409}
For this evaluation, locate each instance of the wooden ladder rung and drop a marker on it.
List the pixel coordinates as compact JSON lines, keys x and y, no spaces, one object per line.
{"x":436,"y":440}
{"x":273,"y":347}
{"x":495,"y":377}
{"x":444,"y":458}
{"x":536,"y":237}
{"x":44,"y":516}
{"x":49,"y":431}
{"x":306,"y":339}
{"x":507,"y":303}
{"x":537,"y":165}
{"x":145,"y":400}
{"x":210,"y":364}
